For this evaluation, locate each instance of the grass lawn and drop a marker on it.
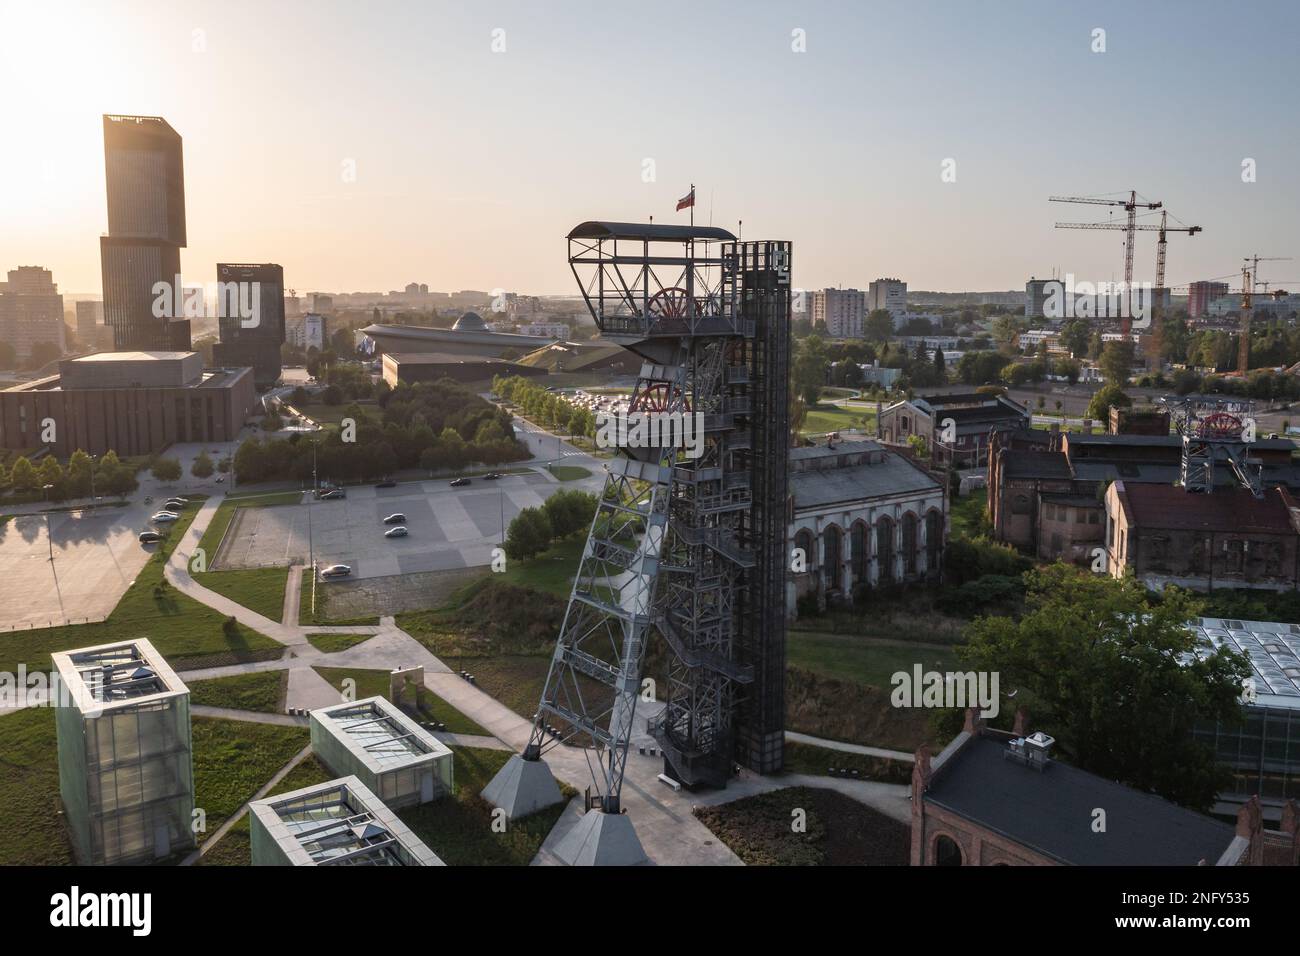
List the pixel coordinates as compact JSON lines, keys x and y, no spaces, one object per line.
{"x":31,"y":830}
{"x":459,"y":828}
{"x":864,"y":661}
{"x":262,"y":691}
{"x":216,"y":529}
{"x":374,"y":683}
{"x":332,"y":643}
{"x":806,"y":758}
{"x":186,"y":632}
{"x":838,"y":830}
{"x":258,"y":589}
{"x":855,"y":713}
{"x":233,"y":758}
{"x":830,"y":418}
{"x":552,"y":570}
{"x":515,"y":680}
{"x":969,"y":516}
{"x":569,"y":472}
{"x":236,"y":847}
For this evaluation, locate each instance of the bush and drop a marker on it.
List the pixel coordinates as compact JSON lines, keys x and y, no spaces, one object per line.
{"x":982,"y":594}
{"x":529,"y":535}
{"x":967,"y":559}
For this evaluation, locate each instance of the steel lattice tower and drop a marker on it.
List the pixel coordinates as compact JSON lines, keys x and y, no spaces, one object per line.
{"x":692,"y":549}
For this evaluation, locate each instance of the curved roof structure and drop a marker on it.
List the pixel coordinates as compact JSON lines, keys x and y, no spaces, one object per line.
{"x":470,"y":322}
{"x":649,"y":231}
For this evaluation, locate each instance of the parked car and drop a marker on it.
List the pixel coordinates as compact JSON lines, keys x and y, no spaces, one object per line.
{"x":398,"y":532}
{"x":387,"y":483}
{"x":149,"y":537}
{"x":334,"y":494}
{"x":174,"y":505}
{"x":397,"y":518}
{"x":491,"y":476}
{"x":460,"y":482}
{"x":220,"y":478}
{"x":164,"y":516}
{"x":335,"y":571}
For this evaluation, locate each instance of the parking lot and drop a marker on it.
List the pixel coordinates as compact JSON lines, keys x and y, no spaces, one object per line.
{"x":449,"y":527}
{"x":96,"y":557}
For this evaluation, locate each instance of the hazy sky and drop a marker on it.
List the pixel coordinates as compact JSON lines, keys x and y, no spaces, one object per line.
{"x":471,"y":165}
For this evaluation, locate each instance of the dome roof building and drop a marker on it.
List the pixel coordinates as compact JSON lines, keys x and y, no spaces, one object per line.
{"x":470,"y":322}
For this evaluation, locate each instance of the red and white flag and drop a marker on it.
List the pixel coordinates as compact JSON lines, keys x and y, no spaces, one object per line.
{"x":686,"y":201}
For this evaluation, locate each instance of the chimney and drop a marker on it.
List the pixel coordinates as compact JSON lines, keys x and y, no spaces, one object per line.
{"x":1022,"y":721}
{"x":1250,"y":825}
{"x":974,"y":722}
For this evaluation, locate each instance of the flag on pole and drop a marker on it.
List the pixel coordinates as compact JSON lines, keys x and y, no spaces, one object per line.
{"x":687,"y":201}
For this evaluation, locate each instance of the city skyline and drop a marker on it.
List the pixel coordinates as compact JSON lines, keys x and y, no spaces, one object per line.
{"x":477,"y":191}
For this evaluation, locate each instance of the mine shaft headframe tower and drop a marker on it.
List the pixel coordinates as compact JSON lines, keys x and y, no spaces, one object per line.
{"x":692,"y":549}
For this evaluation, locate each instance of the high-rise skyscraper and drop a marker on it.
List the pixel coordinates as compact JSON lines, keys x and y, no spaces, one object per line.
{"x":145,"y":183}
{"x":250,"y":339}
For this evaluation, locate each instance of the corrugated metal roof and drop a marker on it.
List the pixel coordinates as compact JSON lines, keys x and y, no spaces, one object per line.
{"x":824,"y":487}
{"x":1229,"y":509}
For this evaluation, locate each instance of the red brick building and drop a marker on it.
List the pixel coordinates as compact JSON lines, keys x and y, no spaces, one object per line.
{"x":993,"y":799}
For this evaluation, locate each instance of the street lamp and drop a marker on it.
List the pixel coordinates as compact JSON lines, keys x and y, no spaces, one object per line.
{"x":49,"y":535}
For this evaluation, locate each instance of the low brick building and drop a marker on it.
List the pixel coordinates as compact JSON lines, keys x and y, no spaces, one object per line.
{"x":997,"y":799}
{"x":974,"y":418}
{"x":1162,"y":535}
{"x":135,"y":403}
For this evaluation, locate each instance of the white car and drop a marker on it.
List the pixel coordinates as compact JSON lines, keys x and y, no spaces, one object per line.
{"x":335,"y":571}
{"x":164,"y":516}
{"x":398,"y":532}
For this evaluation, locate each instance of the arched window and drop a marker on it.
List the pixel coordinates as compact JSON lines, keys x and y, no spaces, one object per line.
{"x":885,"y":550}
{"x":933,"y":541}
{"x":911,"y":528}
{"x":832,"y":549}
{"x":946,"y":852}
{"x":859,"y":546}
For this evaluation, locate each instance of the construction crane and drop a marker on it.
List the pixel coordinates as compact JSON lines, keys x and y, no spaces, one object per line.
{"x":1248,"y":292}
{"x":1131,"y":206}
{"x":1164,"y":229}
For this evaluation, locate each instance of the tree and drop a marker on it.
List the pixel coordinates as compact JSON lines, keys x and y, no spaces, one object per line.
{"x":809,"y":372}
{"x":23,"y":475}
{"x":1103,"y":399}
{"x":1108,"y":670}
{"x":50,"y":473}
{"x":79,"y":470}
{"x":42,"y":354}
{"x":202,"y":467}
{"x":166,"y":469}
{"x":1116,"y":362}
{"x":569,"y":511}
{"x":879,"y":326}
{"x":1075,"y":335}
{"x":529,"y":535}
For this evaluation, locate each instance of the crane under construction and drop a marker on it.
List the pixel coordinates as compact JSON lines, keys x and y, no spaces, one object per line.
{"x":689,"y":547}
{"x":1159,"y":292}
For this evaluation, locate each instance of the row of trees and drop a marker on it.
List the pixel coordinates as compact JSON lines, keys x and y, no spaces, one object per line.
{"x":545,"y":407}
{"x":435,"y":426}
{"x":106,"y":475}
{"x":533,"y":530}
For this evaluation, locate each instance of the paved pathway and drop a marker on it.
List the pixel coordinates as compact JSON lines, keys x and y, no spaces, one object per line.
{"x":668,"y":830}
{"x":849,"y":748}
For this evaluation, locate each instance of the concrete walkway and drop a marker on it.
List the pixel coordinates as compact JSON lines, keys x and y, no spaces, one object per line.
{"x":841,"y":746}
{"x":662,"y":817}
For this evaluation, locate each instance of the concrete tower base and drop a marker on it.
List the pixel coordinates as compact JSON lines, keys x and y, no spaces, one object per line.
{"x":522,"y":787}
{"x":601,"y":839}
